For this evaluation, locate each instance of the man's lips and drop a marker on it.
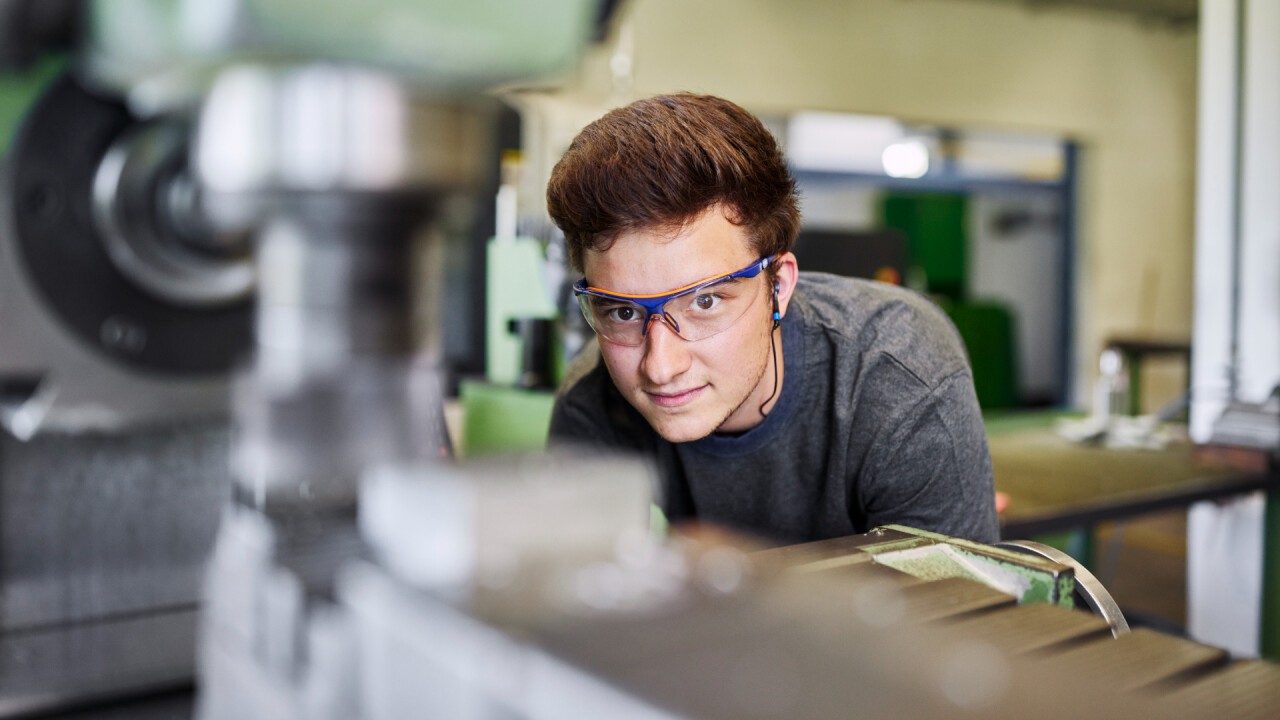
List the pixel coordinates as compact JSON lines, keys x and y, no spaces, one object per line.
{"x":674,"y":399}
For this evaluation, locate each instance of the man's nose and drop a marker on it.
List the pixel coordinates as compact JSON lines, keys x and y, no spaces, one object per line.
{"x":666,"y":354}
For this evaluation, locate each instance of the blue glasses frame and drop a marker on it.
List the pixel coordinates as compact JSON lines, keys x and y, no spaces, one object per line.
{"x":654,"y":304}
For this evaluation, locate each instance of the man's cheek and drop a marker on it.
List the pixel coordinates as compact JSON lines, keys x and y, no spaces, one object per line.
{"x":620,"y":363}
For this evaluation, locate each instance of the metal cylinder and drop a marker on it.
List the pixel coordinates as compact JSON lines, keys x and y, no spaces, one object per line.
{"x":335,"y":170}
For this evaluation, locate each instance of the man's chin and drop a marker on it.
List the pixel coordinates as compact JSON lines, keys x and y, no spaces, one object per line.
{"x":681,"y":431}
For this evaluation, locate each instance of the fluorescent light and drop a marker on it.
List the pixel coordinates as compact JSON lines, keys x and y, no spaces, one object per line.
{"x":906,"y":159}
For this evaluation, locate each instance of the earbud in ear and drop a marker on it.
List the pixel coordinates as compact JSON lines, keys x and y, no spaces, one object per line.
{"x":777,"y":316}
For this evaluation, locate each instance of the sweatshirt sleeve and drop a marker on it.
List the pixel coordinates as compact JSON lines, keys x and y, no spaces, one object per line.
{"x":933,"y":470}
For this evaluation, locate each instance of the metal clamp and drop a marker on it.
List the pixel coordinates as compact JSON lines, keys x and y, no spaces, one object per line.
{"x":1088,"y":588}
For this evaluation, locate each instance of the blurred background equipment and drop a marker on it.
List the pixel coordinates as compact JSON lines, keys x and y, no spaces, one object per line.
{"x":140,"y":253}
{"x":121,"y":315}
{"x":983,"y":226}
{"x":122,"y":306}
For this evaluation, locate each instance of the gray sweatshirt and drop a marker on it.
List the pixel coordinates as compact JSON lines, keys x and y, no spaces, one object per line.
{"x":876,"y":423}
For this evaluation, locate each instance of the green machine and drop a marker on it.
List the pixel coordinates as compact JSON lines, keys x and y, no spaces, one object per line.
{"x":511,"y":410}
{"x":516,"y":296}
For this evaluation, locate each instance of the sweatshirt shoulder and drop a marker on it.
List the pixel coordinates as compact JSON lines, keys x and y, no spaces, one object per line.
{"x":878,"y":322}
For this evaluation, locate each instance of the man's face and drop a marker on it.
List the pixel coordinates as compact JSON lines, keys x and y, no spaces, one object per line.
{"x":687,"y":390}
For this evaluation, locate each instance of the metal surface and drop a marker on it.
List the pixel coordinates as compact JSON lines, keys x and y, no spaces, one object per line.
{"x":64,"y":668}
{"x":1029,"y":628}
{"x":798,"y":645}
{"x":102,"y":526}
{"x":952,"y":597}
{"x":571,"y":614}
{"x":1243,"y":691}
{"x":176,"y":704}
{"x":102,"y":546}
{"x":1087,"y":587}
{"x":1137,"y":660}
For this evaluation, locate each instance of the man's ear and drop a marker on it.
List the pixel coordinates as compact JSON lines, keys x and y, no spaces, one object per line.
{"x":786,"y":272}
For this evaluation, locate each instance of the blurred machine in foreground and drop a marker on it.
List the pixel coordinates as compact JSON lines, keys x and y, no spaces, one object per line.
{"x":121,"y":314}
{"x":534,"y":589}
{"x":218,"y":181}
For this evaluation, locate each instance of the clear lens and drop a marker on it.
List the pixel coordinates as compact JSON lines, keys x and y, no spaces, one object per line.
{"x":615,"y":320}
{"x":696,"y":314}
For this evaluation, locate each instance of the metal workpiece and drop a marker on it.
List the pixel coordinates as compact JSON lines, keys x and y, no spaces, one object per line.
{"x":337,"y":287}
{"x":334,"y":170}
{"x":546,"y":527}
{"x":272,"y":642}
{"x":418,"y":656}
{"x":304,"y":436}
{"x":786,"y":646}
{"x":478,"y":595}
{"x":298,"y":624}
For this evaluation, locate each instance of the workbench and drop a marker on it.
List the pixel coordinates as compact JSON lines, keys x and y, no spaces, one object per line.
{"x":1056,"y":485}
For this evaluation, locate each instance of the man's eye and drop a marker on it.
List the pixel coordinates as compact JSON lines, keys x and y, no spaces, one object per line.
{"x":621,"y":313}
{"x":706,"y":301}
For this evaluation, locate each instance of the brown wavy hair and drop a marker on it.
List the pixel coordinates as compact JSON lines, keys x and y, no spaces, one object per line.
{"x":661,"y":162}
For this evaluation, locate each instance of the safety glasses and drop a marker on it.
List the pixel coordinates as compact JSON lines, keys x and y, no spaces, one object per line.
{"x":694,"y":312}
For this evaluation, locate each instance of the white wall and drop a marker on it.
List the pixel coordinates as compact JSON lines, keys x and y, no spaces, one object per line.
{"x":1225,"y":540}
{"x":1256,"y":317}
{"x":1123,"y":89}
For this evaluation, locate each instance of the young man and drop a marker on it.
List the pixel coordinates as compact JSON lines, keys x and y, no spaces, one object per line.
{"x":795,"y":406}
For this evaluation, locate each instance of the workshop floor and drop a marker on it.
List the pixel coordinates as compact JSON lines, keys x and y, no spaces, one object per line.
{"x":1143,"y":563}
